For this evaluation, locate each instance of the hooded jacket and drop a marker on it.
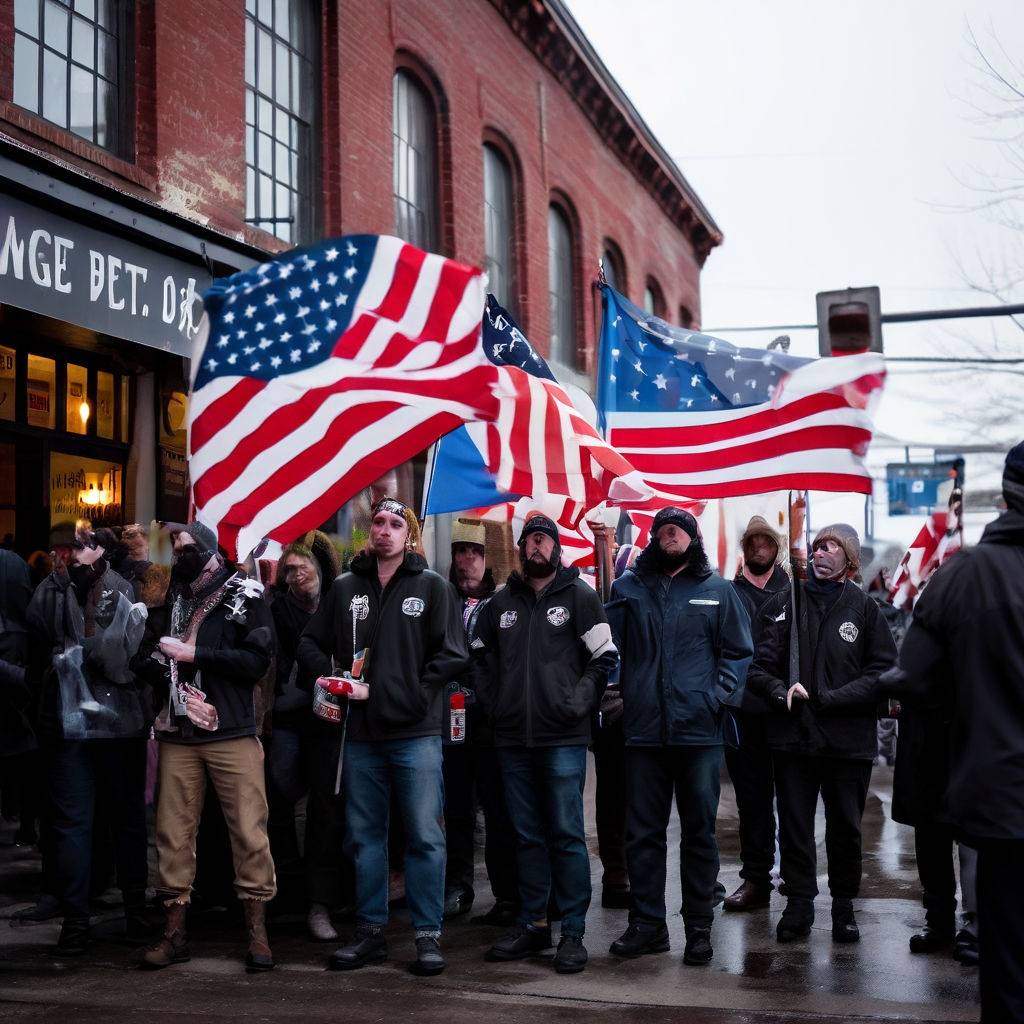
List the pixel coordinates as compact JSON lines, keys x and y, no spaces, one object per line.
{"x":416,"y":641}
{"x":542,"y":661}
{"x":844,"y":646}
{"x":685,"y":647}
{"x":965,"y":648}
{"x":754,"y":598}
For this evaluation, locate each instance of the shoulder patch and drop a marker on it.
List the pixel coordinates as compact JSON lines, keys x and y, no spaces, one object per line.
{"x":849,"y":632}
{"x":413,"y":607}
{"x":508,"y":619}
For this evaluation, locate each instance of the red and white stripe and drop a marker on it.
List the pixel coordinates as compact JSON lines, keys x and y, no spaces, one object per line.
{"x":938,"y":540}
{"x":276,"y":458}
{"x":813,"y":434}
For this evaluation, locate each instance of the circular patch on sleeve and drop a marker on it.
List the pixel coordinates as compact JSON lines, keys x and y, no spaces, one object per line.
{"x":849,"y":632}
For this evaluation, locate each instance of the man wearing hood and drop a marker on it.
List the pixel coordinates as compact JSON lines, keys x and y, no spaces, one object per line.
{"x":684,"y":635}
{"x":471,"y":772}
{"x":818,"y":667}
{"x":747,"y":754}
{"x":966,"y":644}
{"x":544,"y":652}
{"x":400,"y":621}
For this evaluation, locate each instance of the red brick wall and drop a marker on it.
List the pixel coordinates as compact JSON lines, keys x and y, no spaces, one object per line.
{"x":190,"y":146}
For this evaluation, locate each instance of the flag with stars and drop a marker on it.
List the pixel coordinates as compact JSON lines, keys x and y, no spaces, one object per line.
{"x":700,"y":418}
{"x":318,"y":371}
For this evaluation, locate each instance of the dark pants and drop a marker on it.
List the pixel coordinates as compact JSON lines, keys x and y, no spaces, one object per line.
{"x":471,"y":778}
{"x":843,"y":786}
{"x":653,"y":775}
{"x":610,"y":771}
{"x":1001,"y":930}
{"x":753,"y":778}
{"x":544,"y":791}
{"x":934,"y":845}
{"x":77,"y":770}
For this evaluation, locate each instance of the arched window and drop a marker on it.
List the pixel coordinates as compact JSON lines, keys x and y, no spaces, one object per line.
{"x":561,"y":287}
{"x":614,"y":266}
{"x":282,"y":46}
{"x":654,"y":301}
{"x":499,"y":227}
{"x":414,"y":133}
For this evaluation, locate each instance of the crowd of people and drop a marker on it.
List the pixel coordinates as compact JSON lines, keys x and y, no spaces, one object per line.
{"x":389,"y":705}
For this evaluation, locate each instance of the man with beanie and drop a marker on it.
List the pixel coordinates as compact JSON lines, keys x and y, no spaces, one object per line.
{"x":965,"y":645}
{"x":818,"y":667}
{"x":544,"y":651}
{"x":217,"y":649}
{"x":471,"y":773}
{"x":746,"y":751}
{"x":399,"y":622}
{"x":684,"y":634}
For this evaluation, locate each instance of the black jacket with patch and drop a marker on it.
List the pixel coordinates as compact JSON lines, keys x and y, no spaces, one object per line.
{"x":416,"y":642}
{"x":845,"y":646}
{"x":542,"y":661}
{"x":754,"y":599}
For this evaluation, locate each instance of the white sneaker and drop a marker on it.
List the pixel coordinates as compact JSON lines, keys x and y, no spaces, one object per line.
{"x":319,"y":923}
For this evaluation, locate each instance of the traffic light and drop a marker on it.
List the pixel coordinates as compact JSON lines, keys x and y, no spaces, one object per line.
{"x":849,"y":321}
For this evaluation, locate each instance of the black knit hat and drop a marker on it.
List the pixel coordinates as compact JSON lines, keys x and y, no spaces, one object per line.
{"x":679,"y":517}
{"x":539,"y":523}
{"x":1013,"y":478}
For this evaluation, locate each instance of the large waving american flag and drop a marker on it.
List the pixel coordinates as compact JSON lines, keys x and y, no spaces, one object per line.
{"x":700,"y":418}
{"x":321,"y":370}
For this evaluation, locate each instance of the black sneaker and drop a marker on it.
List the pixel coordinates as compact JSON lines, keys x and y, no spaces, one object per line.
{"x":74,"y":936}
{"x":503,"y":914}
{"x":429,"y":960}
{"x":368,"y":946}
{"x":520,"y":944}
{"x":571,"y":956}
{"x":698,"y":949}
{"x":639,"y":938}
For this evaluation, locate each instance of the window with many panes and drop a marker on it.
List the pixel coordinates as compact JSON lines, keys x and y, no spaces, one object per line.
{"x":69,"y":61}
{"x":414,"y":135}
{"x":499,"y":228}
{"x":281,"y":49}
{"x":561,"y":287}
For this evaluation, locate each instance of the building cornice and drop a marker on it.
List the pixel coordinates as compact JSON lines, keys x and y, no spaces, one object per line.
{"x":551,"y":33}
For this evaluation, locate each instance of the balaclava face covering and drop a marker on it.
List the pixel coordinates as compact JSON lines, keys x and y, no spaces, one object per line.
{"x":189,"y":564}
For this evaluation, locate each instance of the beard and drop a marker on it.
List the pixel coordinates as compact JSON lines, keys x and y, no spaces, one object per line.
{"x":189,"y":565}
{"x":669,"y":560}
{"x":539,"y":568}
{"x":758,"y":568}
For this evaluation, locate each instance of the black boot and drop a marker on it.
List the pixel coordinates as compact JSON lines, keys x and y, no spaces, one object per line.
{"x":796,"y":921}
{"x":456,"y":903}
{"x":639,"y":938}
{"x":368,"y":946}
{"x":698,"y":949}
{"x":571,"y":955}
{"x":74,"y":936}
{"x":965,"y":948}
{"x":519,"y":944}
{"x":429,"y":960}
{"x":844,"y":924}
{"x":932,"y":938}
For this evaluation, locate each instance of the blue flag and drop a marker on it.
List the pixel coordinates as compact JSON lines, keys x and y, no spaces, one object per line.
{"x":459,"y":478}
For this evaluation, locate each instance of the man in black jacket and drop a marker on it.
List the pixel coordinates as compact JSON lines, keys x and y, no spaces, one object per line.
{"x":544,"y":652}
{"x":218,"y":648}
{"x":471,"y":772}
{"x":746,"y":752}
{"x":821,"y":680}
{"x":391,"y":613}
{"x":967,"y":640}
{"x":684,"y":634}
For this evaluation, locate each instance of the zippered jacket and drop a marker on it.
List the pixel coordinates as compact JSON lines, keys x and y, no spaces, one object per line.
{"x":413,"y":630}
{"x":542,"y":661}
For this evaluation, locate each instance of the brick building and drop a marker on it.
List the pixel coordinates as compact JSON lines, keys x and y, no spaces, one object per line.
{"x":148,"y":146}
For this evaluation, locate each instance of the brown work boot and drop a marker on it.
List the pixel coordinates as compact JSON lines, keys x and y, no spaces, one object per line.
{"x":172,"y":946}
{"x":749,"y":896}
{"x":259,"y":957}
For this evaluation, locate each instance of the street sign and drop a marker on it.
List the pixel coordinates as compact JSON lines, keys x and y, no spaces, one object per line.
{"x":917,"y":488}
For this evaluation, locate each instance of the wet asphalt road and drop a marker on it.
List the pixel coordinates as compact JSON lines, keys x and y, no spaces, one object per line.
{"x":752,"y":978}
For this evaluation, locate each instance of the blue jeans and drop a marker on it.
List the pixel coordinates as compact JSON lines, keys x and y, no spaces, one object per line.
{"x":413,"y":768}
{"x":544,"y":792}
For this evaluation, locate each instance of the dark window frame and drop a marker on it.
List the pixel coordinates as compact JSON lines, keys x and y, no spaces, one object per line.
{"x":514,"y":272}
{"x":656,"y":307}
{"x":611,"y":254}
{"x":565,"y":351}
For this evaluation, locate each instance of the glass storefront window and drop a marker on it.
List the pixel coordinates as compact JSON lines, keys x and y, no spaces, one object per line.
{"x":41,"y":387}
{"x":84,"y":488}
{"x":125,"y":408}
{"x":105,"y":405}
{"x":6,"y":383}
{"x":78,"y":408}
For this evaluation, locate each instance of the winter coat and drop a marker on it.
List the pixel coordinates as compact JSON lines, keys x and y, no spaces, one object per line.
{"x":234,"y":646}
{"x":844,"y":647}
{"x":967,"y":640}
{"x":416,"y":643}
{"x":754,"y":599}
{"x":478,"y":729}
{"x":58,"y":622}
{"x":542,"y":661}
{"x":16,"y":732}
{"x":290,"y":681}
{"x":685,"y":648}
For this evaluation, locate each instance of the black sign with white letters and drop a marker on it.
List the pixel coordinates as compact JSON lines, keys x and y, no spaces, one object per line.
{"x":52,"y":265}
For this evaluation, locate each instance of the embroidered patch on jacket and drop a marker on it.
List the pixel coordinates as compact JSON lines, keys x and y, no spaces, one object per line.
{"x":781,"y":617}
{"x":477,"y":644}
{"x":849,"y":632}
{"x":360,"y":606}
{"x":704,"y":600}
{"x":558,"y":616}
{"x":507,"y":620}
{"x":413,"y":606}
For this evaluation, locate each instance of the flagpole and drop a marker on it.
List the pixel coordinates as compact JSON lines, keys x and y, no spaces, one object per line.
{"x":428,"y":480}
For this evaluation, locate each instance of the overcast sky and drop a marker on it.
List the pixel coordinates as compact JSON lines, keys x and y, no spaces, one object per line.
{"x":833,"y":143}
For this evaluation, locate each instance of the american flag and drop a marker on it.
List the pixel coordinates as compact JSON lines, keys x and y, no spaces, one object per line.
{"x":321,"y":370}
{"x":700,"y":418}
{"x":938,"y":540}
